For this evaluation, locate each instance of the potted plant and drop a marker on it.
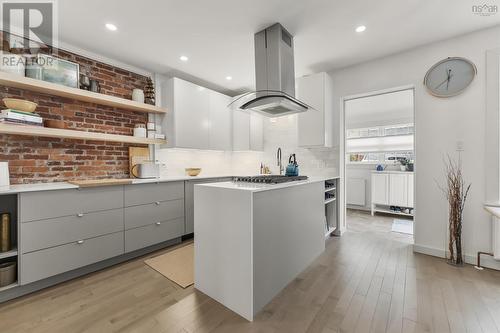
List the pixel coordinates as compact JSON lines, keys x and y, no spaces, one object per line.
{"x":456,"y":193}
{"x":404,"y":162}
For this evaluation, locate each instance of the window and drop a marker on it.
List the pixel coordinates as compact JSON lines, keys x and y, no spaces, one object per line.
{"x":384,"y":144}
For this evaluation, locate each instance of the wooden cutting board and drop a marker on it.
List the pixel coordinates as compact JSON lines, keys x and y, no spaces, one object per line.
{"x":100,"y":182}
{"x":137,"y":155}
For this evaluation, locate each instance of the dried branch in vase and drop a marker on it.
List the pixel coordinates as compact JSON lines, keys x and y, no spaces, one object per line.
{"x":456,"y":193}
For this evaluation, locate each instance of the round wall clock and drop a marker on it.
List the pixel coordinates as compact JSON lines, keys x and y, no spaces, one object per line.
{"x":450,"y":76}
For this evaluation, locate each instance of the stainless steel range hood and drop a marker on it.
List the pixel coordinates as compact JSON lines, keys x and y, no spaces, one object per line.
{"x":275,"y":75}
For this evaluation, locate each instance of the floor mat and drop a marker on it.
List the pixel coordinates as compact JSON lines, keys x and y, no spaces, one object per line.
{"x":402,"y":226}
{"x":176,"y":265}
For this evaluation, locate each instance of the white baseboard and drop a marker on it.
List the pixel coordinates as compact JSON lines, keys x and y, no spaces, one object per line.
{"x":486,"y":261}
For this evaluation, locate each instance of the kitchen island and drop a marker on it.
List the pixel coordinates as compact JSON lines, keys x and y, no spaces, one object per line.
{"x":253,"y":239}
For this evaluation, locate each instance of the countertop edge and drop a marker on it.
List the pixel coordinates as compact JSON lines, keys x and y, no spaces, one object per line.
{"x":40,"y":187}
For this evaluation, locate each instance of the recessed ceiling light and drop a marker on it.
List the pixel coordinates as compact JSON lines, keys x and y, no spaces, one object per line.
{"x":361,"y":28}
{"x":184,"y":58}
{"x":111,"y":27}
{"x":229,"y":78}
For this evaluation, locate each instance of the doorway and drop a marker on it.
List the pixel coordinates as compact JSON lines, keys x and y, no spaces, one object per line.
{"x":379,"y":161}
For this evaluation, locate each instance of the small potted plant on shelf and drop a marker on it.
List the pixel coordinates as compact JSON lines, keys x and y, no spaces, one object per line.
{"x":404,"y":162}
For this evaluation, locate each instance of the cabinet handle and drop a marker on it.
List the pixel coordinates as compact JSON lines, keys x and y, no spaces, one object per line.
{"x":157,"y":203}
{"x":158,"y":223}
{"x":80,"y":242}
{"x":79,"y":214}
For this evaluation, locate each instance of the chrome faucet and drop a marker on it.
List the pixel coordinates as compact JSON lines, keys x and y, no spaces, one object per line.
{"x":279,"y":163}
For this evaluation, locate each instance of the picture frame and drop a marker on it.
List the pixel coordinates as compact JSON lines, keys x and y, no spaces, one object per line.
{"x":59,"y":71}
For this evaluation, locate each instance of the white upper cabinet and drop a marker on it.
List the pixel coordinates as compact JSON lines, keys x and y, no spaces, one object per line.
{"x":197,"y":117}
{"x":220,"y":121}
{"x":247,"y":131}
{"x":315,"y":126}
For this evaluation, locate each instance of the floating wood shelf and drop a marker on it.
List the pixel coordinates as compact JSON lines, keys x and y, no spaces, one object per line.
{"x":21,"y":82}
{"x":72,"y":134}
{"x":9,"y":254}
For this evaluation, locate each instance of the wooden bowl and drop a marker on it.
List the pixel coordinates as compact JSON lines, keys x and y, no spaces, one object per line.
{"x":193,"y":171}
{"x":53,"y":123}
{"x":20,"y":104}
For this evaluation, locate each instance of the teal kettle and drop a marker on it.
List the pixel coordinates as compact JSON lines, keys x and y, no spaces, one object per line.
{"x":292,"y":169}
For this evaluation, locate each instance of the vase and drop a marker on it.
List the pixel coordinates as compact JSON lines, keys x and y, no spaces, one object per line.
{"x":138,"y":95}
{"x":455,"y":252}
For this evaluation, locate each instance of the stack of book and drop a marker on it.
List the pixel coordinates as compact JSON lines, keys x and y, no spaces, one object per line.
{"x":10,"y":116}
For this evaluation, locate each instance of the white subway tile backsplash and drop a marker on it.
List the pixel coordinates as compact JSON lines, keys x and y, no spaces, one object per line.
{"x":281,"y":133}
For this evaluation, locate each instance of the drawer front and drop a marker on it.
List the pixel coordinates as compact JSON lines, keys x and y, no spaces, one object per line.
{"x":139,"y":238}
{"x":43,"y":234}
{"x":50,"y":204}
{"x":56,"y":260}
{"x":138,"y":216}
{"x":141,"y":194}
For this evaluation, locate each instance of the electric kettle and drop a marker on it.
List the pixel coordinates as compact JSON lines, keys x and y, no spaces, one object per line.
{"x":292,"y":169}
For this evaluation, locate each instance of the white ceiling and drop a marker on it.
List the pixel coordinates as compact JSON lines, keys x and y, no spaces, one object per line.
{"x":385,"y":109}
{"x":217,"y":35}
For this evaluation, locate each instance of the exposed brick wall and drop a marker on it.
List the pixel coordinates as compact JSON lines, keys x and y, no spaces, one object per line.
{"x":34,"y":160}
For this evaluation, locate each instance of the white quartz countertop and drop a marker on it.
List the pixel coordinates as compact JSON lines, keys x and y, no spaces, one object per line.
{"x":21,"y":188}
{"x":13,"y":189}
{"x":493,"y":210}
{"x":259,"y":187}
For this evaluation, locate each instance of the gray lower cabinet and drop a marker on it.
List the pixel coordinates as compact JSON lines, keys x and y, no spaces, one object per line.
{"x":189,"y":199}
{"x":141,"y":194}
{"x":38,"y":235}
{"x":55,"y":260}
{"x":151,"y":234}
{"x":50,"y":204}
{"x":138,"y":216}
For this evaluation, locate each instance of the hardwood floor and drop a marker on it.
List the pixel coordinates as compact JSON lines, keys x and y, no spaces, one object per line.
{"x":369,"y":280}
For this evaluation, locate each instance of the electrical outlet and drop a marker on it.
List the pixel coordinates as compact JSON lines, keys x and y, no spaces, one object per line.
{"x":460,"y":146}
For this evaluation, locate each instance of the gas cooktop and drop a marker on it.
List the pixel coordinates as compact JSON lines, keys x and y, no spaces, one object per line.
{"x":270,"y":179}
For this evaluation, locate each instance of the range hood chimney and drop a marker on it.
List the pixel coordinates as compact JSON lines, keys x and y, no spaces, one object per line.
{"x":274,"y":74}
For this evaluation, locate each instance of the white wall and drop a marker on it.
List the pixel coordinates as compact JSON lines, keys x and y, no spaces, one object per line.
{"x":440,"y":124}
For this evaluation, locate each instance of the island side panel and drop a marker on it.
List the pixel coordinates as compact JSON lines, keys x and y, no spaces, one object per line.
{"x":223,"y":247}
{"x":288,"y":231}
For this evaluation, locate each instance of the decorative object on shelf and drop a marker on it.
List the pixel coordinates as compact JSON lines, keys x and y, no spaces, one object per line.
{"x":95,"y":86}
{"x":380,"y":167}
{"x":149,"y":92}
{"x":84,"y":82}
{"x":8,"y":273}
{"x":53,"y":123}
{"x":12,"y":63}
{"x":456,"y":193}
{"x":20,"y":104}
{"x":140,"y":131}
{"x":59,"y":71}
{"x":11,"y":116}
{"x":151,"y":130}
{"x":403,"y":162}
{"x":4,"y":175}
{"x":450,"y":77}
{"x":85,"y":78}
{"x":193,"y":172}
{"x":34,"y":70}
{"x":5,"y":245}
{"x":138,"y":95}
